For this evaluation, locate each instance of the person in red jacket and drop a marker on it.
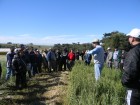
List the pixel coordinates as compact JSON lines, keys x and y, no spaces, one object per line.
{"x":71,"y":59}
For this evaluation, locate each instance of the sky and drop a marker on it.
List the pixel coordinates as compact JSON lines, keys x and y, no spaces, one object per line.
{"x":49,"y":22}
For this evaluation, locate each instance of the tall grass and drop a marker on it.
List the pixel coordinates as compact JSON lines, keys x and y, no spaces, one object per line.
{"x":3,"y":64}
{"x":84,"y":90}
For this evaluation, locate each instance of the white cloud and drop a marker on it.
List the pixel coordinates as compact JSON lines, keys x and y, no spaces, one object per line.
{"x":48,"y":39}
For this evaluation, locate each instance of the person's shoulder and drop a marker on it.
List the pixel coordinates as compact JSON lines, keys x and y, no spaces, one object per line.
{"x":8,"y":53}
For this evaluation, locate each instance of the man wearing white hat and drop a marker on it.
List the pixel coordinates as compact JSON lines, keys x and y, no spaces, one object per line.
{"x":98,"y":53}
{"x":109,"y":58}
{"x":131,"y":74}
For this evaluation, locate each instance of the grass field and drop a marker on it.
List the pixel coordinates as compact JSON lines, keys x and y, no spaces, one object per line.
{"x":82,"y":89}
{"x":3,"y":63}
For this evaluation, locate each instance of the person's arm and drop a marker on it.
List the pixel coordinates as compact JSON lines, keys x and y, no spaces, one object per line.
{"x":94,"y":51}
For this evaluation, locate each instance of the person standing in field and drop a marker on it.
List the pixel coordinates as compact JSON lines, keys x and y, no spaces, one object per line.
{"x":131,"y":73}
{"x":9,"y":57}
{"x":19,"y":65}
{"x":98,"y":53}
{"x":71,"y":59}
{"x":0,"y":70}
{"x":109,"y":58}
{"x":87,"y":58}
{"x":115,"y":59}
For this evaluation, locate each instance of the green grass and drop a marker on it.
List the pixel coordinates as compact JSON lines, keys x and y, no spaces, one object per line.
{"x":3,"y":64}
{"x":84,"y":90}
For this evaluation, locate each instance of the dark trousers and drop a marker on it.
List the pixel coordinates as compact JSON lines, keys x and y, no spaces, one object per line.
{"x":39,"y":67}
{"x":21,"y":79}
{"x":34,"y":68}
{"x":58,"y":65}
{"x":0,"y":70}
{"x":63,"y":63}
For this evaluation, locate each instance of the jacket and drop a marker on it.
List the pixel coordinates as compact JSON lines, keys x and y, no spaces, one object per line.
{"x":131,"y":74}
{"x":98,"y":53}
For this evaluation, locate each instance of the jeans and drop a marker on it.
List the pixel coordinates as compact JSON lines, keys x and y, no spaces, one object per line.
{"x":116,"y":64}
{"x":9,"y":72}
{"x":98,"y":69}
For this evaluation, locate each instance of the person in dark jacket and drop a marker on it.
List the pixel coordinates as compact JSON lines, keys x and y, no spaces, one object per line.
{"x":33,"y":60}
{"x":58,"y":60}
{"x":19,"y":65}
{"x":131,"y":72}
{"x":77,"y":54}
{"x":63,"y":60}
{"x":0,"y":70}
{"x":9,"y":57}
{"x":39,"y":61}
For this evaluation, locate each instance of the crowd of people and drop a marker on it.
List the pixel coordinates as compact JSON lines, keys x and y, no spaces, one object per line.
{"x":22,"y":60}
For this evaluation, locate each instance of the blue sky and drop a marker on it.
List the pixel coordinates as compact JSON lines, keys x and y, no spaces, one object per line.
{"x":49,"y":22}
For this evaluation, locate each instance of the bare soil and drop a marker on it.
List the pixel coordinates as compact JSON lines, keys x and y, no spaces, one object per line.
{"x":43,"y":89}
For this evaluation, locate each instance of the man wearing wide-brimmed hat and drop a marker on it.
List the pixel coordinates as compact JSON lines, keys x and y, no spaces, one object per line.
{"x":98,"y":53}
{"x":131,"y":72}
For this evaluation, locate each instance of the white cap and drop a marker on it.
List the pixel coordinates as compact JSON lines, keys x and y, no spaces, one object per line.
{"x":108,"y":48}
{"x":134,"y":33}
{"x":95,"y":41}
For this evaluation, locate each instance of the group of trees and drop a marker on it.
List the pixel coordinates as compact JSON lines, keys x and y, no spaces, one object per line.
{"x":114,"y":40}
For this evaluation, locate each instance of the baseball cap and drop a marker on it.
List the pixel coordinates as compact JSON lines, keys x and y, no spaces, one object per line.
{"x":134,"y":33}
{"x":95,"y":41}
{"x":108,"y":48}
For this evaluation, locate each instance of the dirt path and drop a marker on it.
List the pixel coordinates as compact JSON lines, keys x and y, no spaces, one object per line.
{"x":43,"y":89}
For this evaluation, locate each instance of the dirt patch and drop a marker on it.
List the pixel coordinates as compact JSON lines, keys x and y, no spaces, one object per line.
{"x":56,"y":93}
{"x":43,"y":89}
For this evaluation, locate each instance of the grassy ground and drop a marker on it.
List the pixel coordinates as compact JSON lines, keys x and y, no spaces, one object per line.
{"x":77,"y":87}
{"x":84,"y":90}
{"x":43,"y":89}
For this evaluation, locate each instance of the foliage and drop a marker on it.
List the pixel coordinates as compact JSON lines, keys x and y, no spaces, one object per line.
{"x":74,"y":46}
{"x":84,"y":90}
{"x":40,"y":47}
{"x":115,"y":40}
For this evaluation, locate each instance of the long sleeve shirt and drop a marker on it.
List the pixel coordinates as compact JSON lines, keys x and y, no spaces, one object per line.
{"x":98,"y":53}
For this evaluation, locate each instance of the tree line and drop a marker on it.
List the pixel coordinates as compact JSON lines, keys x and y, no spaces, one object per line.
{"x":113,"y":40}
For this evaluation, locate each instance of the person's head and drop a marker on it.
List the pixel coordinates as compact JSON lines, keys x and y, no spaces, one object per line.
{"x":50,"y":49}
{"x":12,"y":48}
{"x":20,"y":52}
{"x":22,"y":46}
{"x":134,"y":36}
{"x":116,"y":49}
{"x":108,"y":49}
{"x":95,"y":42}
{"x":71,"y":50}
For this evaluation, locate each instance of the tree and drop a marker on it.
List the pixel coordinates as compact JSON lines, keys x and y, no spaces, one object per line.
{"x":116,"y":40}
{"x":9,"y":42}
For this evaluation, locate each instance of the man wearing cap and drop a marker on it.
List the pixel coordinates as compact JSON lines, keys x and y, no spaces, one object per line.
{"x":131,"y":72}
{"x":98,"y":53}
{"x":109,"y":58}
